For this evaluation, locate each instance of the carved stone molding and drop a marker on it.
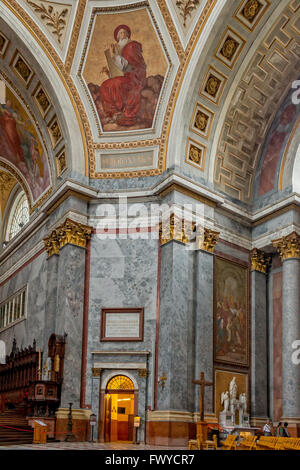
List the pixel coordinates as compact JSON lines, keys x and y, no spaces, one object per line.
{"x":69,"y":232}
{"x":206,"y":239}
{"x":53,"y":16}
{"x":260,"y":261}
{"x":186,"y":8}
{"x":175,"y":228}
{"x":288,"y":247}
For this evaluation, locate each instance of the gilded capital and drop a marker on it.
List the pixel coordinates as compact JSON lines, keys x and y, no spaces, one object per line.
{"x":206,"y":239}
{"x":69,"y":232}
{"x":260,"y":261}
{"x":175,"y":228}
{"x":289,"y":246}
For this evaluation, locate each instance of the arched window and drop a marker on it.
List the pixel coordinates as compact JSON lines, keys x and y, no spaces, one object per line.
{"x":18,"y":217}
{"x":2,"y":352}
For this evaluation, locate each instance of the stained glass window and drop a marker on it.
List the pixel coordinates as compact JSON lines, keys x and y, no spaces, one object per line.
{"x":120,"y":382}
{"x":19,"y":216}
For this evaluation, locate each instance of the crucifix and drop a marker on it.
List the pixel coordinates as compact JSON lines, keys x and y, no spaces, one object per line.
{"x":202,"y":384}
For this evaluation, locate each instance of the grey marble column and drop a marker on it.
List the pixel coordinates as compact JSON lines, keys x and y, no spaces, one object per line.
{"x":259,"y":346}
{"x":290,"y":333}
{"x":204,"y":337}
{"x":51,"y":301}
{"x":176,"y":328}
{"x":69,"y":318}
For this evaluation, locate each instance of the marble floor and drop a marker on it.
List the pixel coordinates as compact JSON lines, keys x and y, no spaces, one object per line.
{"x":87,"y":446}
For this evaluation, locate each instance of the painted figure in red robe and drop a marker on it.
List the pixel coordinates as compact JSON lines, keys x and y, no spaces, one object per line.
{"x":121,"y":96}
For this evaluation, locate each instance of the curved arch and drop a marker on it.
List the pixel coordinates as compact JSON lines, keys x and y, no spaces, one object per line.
{"x":296,"y":172}
{"x":8,"y":166}
{"x":109,"y":375}
{"x":289,"y":163}
{"x":60,"y":90}
{"x":178,"y":123}
{"x":254,"y":102}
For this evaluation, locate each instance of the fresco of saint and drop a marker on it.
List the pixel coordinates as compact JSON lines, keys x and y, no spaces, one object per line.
{"x":125,"y":74}
{"x":121,"y":96}
{"x":21,"y":147}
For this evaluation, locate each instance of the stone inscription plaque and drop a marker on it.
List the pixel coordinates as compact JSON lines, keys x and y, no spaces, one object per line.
{"x":122,"y":324}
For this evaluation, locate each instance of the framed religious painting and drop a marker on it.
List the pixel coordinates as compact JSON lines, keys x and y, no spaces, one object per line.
{"x":231,"y":312}
{"x":122,"y":324}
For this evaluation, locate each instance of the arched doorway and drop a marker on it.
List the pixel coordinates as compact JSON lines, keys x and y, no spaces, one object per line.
{"x":119,"y":410}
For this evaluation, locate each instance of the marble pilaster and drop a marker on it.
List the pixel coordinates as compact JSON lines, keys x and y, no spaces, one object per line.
{"x":204,"y":325}
{"x":259,"y":335}
{"x":176,"y":328}
{"x":69,"y":318}
{"x":290,"y":334}
{"x":289,"y":250}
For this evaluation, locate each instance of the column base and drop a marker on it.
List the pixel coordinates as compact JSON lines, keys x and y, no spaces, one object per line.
{"x":81,"y":424}
{"x":174,"y":428}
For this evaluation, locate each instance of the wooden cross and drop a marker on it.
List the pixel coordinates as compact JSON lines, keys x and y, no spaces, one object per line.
{"x":202,"y":384}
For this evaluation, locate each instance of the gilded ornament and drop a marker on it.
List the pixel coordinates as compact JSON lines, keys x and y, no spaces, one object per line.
{"x":43,"y":100}
{"x":201,"y":121}
{"x":175,"y":228}
{"x":143,"y":373}
{"x":229,"y":48}
{"x":212,"y":85}
{"x":206,"y":239}
{"x":22,"y":68}
{"x":61,"y":163}
{"x":96,"y":372}
{"x":70,"y":232}
{"x":260,"y":261}
{"x":288,"y":247}
{"x":195,"y":154}
{"x":55,"y":132}
{"x":251,"y":9}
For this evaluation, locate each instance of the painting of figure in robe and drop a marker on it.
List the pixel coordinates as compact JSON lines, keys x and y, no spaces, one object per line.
{"x":20,"y":145}
{"x":231,"y":312}
{"x":125,"y":72}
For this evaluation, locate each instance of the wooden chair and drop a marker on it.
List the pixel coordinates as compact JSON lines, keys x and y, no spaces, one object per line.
{"x":248,"y":443}
{"x":196,"y":443}
{"x":211,"y":444}
{"x":229,"y":443}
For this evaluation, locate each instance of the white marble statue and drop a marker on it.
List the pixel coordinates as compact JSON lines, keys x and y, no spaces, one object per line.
{"x":233,"y":389}
{"x":243,"y":402}
{"x":225,"y":401}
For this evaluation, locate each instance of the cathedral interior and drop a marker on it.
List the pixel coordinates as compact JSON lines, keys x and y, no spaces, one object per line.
{"x":149,"y":217}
